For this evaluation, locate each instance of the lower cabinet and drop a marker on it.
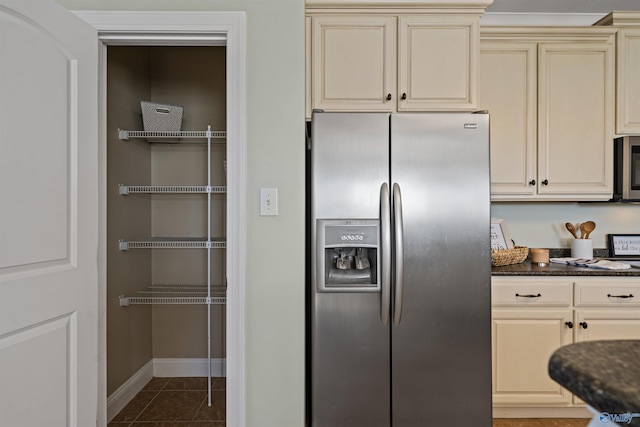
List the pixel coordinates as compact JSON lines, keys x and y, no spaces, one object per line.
{"x":534,"y":316}
{"x":522,"y":342}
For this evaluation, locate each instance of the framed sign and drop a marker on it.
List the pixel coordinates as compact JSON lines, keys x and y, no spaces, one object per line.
{"x":500,"y":238}
{"x":624,"y":245}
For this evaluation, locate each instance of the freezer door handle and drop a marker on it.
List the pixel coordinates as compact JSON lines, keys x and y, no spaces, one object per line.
{"x":399,"y":253}
{"x":385,"y":253}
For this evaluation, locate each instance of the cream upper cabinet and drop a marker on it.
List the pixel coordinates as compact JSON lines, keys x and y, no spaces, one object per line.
{"x":550,"y":94}
{"x":576,"y":84}
{"x":393,"y":62}
{"x":437,"y":62}
{"x":628,"y":64}
{"x":628,"y":91}
{"x":353,"y":62}
{"x":507,"y":89}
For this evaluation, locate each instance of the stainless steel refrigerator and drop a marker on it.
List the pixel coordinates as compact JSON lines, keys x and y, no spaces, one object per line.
{"x":399,"y":308}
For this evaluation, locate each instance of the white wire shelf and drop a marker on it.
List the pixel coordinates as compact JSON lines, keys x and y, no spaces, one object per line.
{"x":173,"y":243}
{"x":187,"y":294}
{"x":190,"y":136}
{"x":175,"y":189}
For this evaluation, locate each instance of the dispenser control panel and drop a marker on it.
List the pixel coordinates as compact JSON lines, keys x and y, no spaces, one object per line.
{"x":347,"y":255}
{"x":350,"y":234}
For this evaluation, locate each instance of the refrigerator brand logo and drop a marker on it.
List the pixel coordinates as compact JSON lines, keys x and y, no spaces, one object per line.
{"x":471,"y":126}
{"x":606,"y":417}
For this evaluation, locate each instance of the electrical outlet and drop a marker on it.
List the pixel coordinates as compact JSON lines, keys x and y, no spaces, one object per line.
{"x":268,"y":201}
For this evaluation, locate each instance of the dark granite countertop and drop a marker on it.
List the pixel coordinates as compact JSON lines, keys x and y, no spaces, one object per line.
{"x":552,"y":269}
{"x":605,"y":374}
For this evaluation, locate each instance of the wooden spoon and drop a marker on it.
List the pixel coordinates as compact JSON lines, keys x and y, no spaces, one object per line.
{"x":571,"y":229}
{"x":587,"y":227}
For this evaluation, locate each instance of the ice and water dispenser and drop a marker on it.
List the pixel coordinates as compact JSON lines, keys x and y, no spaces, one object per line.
{"x":347,"y":255}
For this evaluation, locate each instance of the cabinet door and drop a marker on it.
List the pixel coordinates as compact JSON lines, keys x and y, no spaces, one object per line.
{"x":307,"y":65}
{"x":523,"y":340}
{"x":607,"y":324}
{"x":575,"y":119}
{"x":437,"y":62}
{"x":507,"y":89}
{"x":354,"y":63}
{"x":628,"y":102}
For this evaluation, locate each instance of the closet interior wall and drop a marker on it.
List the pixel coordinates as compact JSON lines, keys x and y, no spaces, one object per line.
{"x":192,"y":77}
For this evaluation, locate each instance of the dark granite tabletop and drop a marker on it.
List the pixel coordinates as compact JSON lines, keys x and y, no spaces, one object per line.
{"x":553,"y":269}
{"x":605,"y":374}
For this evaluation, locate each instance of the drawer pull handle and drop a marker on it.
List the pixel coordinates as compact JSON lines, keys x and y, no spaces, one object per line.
{"x":529,"y":296}
{"x":584,"y":325}
{"x":569,"y":325}
{"x":620,"y":296}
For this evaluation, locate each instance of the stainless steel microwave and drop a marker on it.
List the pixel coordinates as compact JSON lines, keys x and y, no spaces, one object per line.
{"x":626,"y":169}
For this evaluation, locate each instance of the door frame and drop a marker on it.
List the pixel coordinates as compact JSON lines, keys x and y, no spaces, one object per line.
{"x":177,"y":28}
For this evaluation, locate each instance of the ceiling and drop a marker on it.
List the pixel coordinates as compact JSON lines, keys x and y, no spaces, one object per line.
{"x":563,"y":6}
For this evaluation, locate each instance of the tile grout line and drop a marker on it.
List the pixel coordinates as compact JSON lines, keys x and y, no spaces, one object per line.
{"x":147,"y":405}
{"x":205,"y":399}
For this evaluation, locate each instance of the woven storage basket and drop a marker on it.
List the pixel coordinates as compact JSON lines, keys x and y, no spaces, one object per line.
{"x":161,"y":117}
{"x":516,"y":255}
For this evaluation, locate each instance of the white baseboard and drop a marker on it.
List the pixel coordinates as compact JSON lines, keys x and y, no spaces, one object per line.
{"x":127,"y":391}
{"x":161,"y":368}
{"x":188,"y":367}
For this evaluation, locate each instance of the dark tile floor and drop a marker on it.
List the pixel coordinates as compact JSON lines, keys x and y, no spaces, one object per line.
{"x":182,"y":402}
{"x":175,"y":402}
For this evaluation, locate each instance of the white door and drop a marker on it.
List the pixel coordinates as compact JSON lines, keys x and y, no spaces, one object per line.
{"x":48,"y":216}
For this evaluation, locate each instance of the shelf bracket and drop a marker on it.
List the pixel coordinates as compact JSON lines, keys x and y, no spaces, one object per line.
{"x":122,"y":245}
{"x":123,"y":189}
{"x":123,"y":134}
{"x":124,"y":301}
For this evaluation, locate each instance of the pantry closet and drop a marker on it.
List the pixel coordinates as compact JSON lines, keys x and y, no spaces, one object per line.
{"x":166,"y":214}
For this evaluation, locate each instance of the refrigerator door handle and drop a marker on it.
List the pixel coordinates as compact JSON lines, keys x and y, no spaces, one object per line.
{"x":385,"y":253}
{"x":399,"y":253}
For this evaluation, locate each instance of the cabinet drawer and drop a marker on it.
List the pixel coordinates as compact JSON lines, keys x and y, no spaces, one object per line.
{"x":627,"y":294}
{"x":534,"y":294}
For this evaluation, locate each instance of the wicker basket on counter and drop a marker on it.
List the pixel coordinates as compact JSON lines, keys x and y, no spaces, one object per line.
{"x":516,"y":255}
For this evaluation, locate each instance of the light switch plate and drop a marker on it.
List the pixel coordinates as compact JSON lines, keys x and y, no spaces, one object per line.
{"x":268,"y":201}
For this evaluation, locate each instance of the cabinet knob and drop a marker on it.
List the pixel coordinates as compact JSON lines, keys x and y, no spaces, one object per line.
{"x":584,"y":325}
{"x":569,"y":325}
{"x":389,"y":97}
{"x":545,"y":182}
{"x":404,"y":96}
{"x":532,"y":182}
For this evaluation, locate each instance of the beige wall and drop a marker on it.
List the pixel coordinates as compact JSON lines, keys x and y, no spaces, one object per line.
{"x":541,"y":225}
{"x":129,"y":336}
{"x":275,"y":277}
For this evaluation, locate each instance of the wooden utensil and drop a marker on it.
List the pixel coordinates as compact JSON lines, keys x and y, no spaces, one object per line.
{"x":571,"y":229}
{"x":587,"y":227}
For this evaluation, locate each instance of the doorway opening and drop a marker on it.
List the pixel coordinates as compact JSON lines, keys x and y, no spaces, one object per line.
{"x":187,"y":44}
